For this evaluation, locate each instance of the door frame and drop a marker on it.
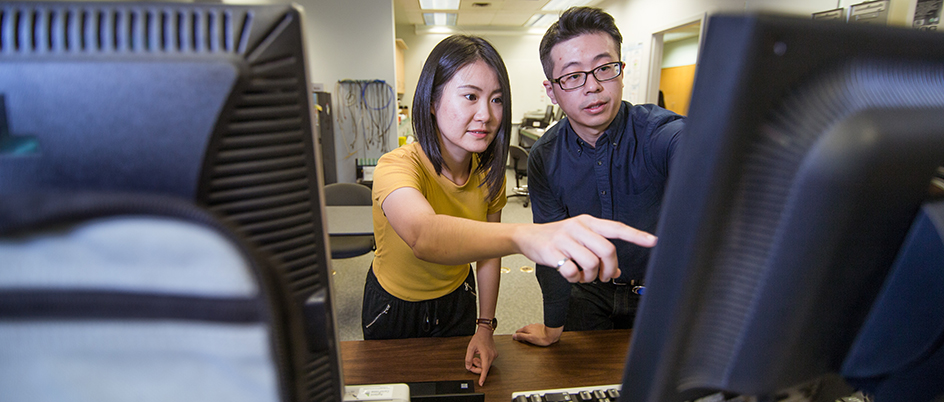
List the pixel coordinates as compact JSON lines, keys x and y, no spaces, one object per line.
{"x":655,"y":52}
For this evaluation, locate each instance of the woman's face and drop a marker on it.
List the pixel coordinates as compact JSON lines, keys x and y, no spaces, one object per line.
{"x":469,"y":112}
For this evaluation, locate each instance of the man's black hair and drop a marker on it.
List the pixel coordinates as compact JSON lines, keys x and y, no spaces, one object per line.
{"x":574,"y":22}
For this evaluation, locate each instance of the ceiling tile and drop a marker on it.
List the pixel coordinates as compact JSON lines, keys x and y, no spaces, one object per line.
{"x":511,"y":19}
{"x":471,"y":12}
{"x":480,"y":18}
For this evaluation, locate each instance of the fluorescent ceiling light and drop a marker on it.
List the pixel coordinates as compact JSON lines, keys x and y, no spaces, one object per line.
{"x":560,"y":5}
{"x":439,"y":18}
{"x":439,"y":4}
{"x":541,"y":20}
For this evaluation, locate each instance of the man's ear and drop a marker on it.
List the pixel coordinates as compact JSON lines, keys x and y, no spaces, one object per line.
{"x":550,"y":91}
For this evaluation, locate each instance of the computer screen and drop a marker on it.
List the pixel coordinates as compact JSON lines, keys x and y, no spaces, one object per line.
{"x":206,"y":102}
{"x":797,"y":218}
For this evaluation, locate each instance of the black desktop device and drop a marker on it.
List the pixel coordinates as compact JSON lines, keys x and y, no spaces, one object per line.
{"x":797,"y":237}
{"x":205,"y":102}
{"x":445,"y":391}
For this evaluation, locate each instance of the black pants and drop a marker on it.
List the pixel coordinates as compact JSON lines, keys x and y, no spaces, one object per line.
{"x":385,"y":316}
{"x":599,"y":305}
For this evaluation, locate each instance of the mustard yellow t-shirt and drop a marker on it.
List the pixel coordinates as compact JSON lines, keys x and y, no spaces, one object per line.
{"x":396,"y":268}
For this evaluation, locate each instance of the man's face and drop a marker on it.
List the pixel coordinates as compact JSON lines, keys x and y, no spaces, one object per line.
{"x":592,"y":107}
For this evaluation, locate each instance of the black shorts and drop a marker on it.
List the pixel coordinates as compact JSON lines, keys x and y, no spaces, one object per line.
{"x":385,"y":316}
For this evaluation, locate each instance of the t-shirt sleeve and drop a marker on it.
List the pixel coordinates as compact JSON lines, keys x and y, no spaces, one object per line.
{"x":395,"y":170}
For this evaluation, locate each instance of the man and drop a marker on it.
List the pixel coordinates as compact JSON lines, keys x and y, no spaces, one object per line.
{"x":607,"y":158}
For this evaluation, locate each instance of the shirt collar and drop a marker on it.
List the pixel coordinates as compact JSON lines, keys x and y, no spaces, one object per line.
{"x":618,"y":126}
{"x":613,"y":133}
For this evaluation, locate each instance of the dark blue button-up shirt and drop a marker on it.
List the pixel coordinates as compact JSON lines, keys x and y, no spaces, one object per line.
{"x":621,"y":178}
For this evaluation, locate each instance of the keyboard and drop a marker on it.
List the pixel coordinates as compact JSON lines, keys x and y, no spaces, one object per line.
{"x":601,"y":393}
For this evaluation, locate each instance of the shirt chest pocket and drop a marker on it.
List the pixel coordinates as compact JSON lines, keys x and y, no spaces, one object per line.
{"x":639,"y":207}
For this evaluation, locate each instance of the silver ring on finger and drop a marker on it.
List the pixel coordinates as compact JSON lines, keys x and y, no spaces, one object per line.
{"x":561,"y":263}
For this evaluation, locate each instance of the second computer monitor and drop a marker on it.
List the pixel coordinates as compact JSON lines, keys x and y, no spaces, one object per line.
{"x":807,"y":156}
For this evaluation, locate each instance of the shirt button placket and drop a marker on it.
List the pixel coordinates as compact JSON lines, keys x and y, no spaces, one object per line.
{"x":603,"y":175}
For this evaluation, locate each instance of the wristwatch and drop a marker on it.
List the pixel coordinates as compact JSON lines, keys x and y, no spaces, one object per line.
{"x":491,"y":322}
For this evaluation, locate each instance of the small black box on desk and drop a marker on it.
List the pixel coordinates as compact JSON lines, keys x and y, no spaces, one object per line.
{"x":444,"y":391}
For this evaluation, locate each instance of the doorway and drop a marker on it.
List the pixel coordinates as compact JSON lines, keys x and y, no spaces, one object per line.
{"x":673,"y":64}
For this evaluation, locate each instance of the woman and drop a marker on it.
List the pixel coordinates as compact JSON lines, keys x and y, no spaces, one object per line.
{"x":437,"y":208}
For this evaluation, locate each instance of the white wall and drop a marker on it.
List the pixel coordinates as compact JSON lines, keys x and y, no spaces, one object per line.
{"x":680,"y":53}
{"x":350,"y":39}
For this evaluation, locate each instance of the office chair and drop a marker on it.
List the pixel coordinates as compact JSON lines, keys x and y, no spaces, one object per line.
{"x":147,"y":288}
{"x":519,"y":162}
{"x":548,"y":116}
{"x":532,"y":120}
{"x":559,"y":115}
{"x":344,"y":194}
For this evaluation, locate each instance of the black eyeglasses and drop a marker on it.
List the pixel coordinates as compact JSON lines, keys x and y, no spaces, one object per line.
{"x":578,"y":79}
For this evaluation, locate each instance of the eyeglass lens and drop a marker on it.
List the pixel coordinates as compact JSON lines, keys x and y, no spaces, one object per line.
{"x":605,"y":72}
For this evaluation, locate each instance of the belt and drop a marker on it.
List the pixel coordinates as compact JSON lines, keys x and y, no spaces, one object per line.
{"x":638,"y":286}
{"x":631,"y":282}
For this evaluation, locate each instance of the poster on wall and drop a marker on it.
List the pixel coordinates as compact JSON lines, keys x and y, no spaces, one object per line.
{"x":927,"y":15}
{"x":632,"y":56}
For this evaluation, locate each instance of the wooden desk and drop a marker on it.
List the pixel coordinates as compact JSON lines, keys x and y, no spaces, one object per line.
{"x":350,"y":220}
{"x":579,"y":359}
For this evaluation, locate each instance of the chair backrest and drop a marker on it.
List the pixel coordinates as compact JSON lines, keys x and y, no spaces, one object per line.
{"x":112,"y":298}
{"x":559,"y":115}
{"x":519,"y":158}
{"x":347,"y":194}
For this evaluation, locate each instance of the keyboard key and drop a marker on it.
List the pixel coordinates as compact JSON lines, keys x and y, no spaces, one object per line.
{"x":604,"y":393}
{"x":557,"y":397}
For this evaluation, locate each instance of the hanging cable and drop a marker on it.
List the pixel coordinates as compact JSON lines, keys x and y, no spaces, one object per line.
{"x":349,"y":113}
{"x":366,"y":116}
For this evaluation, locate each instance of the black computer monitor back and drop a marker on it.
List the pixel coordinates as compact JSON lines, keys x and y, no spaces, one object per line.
{"x":807,"y":155}
{"x":206,"y":102}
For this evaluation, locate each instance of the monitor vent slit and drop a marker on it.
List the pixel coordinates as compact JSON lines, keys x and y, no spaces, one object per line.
{"x":31,"y":34}
{"x":244,"y":31}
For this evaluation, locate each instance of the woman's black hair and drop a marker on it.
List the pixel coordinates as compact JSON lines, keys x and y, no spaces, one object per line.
{"x":576,"y":21}
{"x":448,"y":57}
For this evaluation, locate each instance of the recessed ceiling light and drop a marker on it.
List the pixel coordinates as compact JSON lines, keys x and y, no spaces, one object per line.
{"x":439,"y":4}
{"x":439,"y":18}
